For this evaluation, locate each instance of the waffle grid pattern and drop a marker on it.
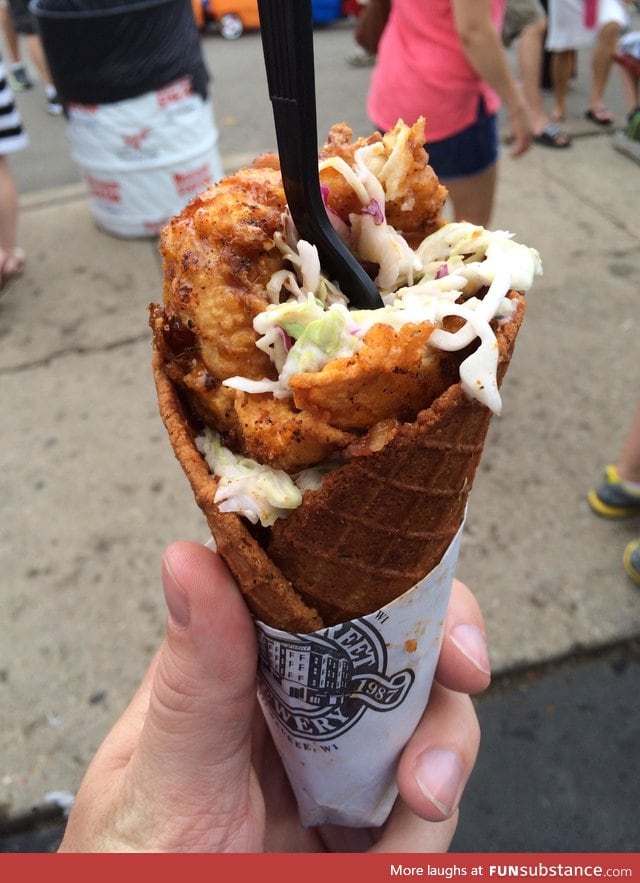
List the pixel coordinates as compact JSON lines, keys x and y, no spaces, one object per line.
{"x":387,"y":521}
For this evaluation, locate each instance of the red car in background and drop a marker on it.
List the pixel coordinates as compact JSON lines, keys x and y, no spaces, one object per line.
{"x":231,"y":18}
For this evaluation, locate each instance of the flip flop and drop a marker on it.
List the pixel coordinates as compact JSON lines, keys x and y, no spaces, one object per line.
{"x":12,"y":266}
{"x":600,"y":117}
{"x":552,"y":136}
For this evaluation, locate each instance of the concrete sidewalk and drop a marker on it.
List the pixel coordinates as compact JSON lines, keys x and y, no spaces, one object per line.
{"x":90,"y":492}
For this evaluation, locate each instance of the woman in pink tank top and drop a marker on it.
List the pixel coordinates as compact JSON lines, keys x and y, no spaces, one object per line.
{"x":444,"y":60}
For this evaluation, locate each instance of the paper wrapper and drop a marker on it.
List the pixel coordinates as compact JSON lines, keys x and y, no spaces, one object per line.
{"x":342,"y":702}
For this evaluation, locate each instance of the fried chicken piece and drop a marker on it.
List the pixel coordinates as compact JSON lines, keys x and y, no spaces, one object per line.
{"x":266,"y":161}
{"x":394,"y":375}
{"x":218,"y":256}
{"x":414,"y":196}
{"x":220,"y":253}
{"x":266,"y":429}
{"x":272,"y":431}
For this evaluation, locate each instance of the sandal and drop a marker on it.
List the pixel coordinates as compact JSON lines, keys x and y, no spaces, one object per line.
{"x":600,"y":117}
{"x":552,"y":136}
{"x":12,"y":266}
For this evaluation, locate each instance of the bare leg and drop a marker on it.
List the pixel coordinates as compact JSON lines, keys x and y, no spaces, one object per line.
{"x":36,"y":53}
{"x":11,"y":257}
{"x":530,"y":55}
{"x":629,"y":461}
{"x":472,"y":198}
{"x":601,"y":62}
{"x":630,"y":89}
{"x":530,"y":63}
{"x":8,"y":208}
{"x":561,"y":68}
{"x":10,"y":36}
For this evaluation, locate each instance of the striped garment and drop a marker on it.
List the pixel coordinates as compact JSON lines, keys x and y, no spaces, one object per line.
{"x":12,"y":136}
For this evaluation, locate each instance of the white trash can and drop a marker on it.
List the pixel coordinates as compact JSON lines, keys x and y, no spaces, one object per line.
{"x":144,"y":158}
{"x":134,"y":85}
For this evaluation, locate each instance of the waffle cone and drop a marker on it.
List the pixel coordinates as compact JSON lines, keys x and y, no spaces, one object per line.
{"x":268,"y":593}
{"x":382,"y":522}
{"x":378,"y":524}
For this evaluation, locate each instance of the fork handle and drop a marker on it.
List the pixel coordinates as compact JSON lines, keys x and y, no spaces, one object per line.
{"x":287,"y":38}
{"x":301,"y":181}
{"x":288,"y":45}
{"x":299,"y":166}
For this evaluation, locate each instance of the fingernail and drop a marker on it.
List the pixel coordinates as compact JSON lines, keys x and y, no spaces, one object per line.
{"x":175,"y":597}
{"x":471,"y":642}
{"x":438,"y":773}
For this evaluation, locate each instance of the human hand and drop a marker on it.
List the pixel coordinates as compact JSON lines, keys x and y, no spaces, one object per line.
{"x":520,"y":126}
{"x":190,"y":765}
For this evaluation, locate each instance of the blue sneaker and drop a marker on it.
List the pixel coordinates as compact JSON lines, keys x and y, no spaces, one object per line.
{"x":631,"y":560}
{"x":19,"y":79}
{"x":611,"y":500}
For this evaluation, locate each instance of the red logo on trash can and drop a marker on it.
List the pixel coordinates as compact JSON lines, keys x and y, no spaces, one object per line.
{"x":73,"y":109}
{"x":108,"y":191}
{"x":137,"y":139}
{"x":193,"y":181}
{"x":174,"y":92}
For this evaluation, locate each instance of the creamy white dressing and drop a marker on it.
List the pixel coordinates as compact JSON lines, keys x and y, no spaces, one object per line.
{"x":303,"y":334}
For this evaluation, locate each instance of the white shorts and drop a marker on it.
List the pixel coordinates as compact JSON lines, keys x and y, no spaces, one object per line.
{"x":567,"y":28}
{"x":12,"y":135}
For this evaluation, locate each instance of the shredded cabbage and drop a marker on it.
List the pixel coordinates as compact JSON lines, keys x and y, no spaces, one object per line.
{"x":304,"y":334}
{"x":258,"y":492}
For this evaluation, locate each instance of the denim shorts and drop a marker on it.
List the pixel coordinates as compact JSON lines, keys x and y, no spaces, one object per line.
{"x":470,"y":152}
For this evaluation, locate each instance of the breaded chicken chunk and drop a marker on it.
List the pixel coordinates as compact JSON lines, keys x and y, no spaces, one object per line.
{"x":220,"y":254}
{"x":389,"y":377}
{"x":414,"y":196}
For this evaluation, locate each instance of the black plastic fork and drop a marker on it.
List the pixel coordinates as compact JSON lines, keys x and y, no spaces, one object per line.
{"x":286,"y":28}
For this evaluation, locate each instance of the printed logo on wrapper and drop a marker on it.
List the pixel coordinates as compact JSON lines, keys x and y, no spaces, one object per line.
{"x":342,"y":702}
{"x":318,"y":686}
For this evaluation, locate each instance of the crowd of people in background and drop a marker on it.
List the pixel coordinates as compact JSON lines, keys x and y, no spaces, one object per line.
{"x":548,"y":34}
{"x":19,"y":28}
{"x":560,"y":29}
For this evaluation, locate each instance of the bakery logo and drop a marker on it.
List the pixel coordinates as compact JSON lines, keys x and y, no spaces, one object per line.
{"x":318,"y":686}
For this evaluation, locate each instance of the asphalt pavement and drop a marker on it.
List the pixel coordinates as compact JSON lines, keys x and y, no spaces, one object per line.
{"x":90,"y":492}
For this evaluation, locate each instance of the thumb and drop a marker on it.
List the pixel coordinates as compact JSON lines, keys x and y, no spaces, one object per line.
{"x":196,"y":738}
